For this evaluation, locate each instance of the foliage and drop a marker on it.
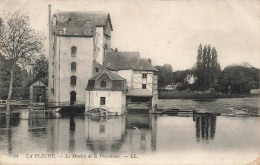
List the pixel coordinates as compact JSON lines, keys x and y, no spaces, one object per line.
{"x":40,"y":67}
{"x":238,"y":79}
{"x":18,"y":41}
{"x":19,"y":44}
{"x":207,"y":67}
{"x":20,"y":78}
{"x":164,"y":75}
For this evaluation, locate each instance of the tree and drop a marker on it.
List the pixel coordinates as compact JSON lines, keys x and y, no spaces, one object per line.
{"x":239,"y":78}
{"x":40,"y":67}
{"x":199,"y":67}
{"x":215,"y":66}
{"x":207,"y":67}
{"x":19,"y":43}
{"x":164,"y":75}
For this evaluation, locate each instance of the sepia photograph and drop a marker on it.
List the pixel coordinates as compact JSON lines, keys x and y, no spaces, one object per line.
{"x":129,"y":82}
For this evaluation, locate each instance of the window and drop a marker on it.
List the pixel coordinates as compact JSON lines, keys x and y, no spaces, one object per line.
{"x":144,"y":86}
{"x":73,"y":67}
{"x":73,"y":81}
{"x":73,"y":51}
{"x":97,"y":69}
{"x":103,"y":84}
{"x":102,"y":101}
{"x":72,"y":98}
{"x":144,"y":75}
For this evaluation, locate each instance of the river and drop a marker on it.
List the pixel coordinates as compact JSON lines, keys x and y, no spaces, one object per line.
{"x":203,"y":139}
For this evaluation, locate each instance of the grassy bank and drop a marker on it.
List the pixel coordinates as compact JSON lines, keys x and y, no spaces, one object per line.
{"x":174,"y":94}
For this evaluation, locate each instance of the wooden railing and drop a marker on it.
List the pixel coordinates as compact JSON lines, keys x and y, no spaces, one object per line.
{"x":4,"y":102}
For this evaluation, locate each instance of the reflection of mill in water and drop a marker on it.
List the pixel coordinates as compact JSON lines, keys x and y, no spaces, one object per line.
{"x":122,"y":133}
{"x":205,"y":127}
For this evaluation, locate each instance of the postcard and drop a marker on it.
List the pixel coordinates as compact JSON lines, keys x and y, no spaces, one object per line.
{"x":129,"y":82}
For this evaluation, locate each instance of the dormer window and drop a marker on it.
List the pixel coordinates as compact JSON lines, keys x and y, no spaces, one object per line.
{"x":103,"y":84}
{"x":97,"y":69}
{"x":73,"y":51}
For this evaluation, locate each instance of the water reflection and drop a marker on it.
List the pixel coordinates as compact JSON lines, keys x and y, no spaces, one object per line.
{"x":205,"y":127}
{"x":105,"y":134}
{"x":127,"y":133}
{"x":7,"y":121}
{"x":72,"y":135}
{"x":37,"y":123}
{"x":141,"y":132}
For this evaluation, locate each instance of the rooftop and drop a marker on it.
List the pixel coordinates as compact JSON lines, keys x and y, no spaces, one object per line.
{"x":43,"y":80}
{"x":127,"y":60}
{"x":118,"y":83}
{"x":81,"y":23}
{"x":111,"y":75}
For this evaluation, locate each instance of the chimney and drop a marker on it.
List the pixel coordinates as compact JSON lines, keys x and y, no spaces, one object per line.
{"x":49,"y":14}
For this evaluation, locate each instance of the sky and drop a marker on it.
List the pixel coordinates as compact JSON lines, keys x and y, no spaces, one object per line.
{"x":167,"y":31}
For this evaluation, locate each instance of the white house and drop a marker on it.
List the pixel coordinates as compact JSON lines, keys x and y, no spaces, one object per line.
{"x":190,"y":78}
{"x":106,"y":90}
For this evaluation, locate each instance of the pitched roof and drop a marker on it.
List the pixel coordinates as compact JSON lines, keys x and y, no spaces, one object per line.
{"x":43,"y":80}
{"x":139,"y":92}
{"x":118,"y":83}
{"x":81,"y":23}
{"x":111,"y":75}
{"x":126,"y":61}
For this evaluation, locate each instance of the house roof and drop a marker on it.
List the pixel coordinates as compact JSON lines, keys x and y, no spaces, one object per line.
{"x":139,"y":92}
{"x":117,"y":82}
{"x":43,"y":80}
{"x":111,"y":75}
{"x":126,"y":61}
{"x":81,"y":23}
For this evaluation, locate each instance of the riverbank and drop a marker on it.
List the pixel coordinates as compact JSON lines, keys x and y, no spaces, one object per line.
{"x":175,"y":94}
{"x":246,"y":106}
{"x":241,"y":106}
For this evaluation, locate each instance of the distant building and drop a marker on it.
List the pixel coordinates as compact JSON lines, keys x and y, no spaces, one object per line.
{"x":190,"y":79}
{"x":106,"y":90}
{"x":76,"y":40}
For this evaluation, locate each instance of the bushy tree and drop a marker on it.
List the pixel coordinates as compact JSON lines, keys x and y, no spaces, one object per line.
{"x":164,"y":75}
{"x":239,"y":79}
{"x":40,"y":67}
{"x":19,"y":43}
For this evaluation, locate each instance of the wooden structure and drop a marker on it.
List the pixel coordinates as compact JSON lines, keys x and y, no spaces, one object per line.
{"x":38,"y":92}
